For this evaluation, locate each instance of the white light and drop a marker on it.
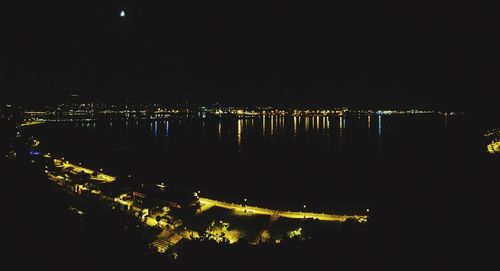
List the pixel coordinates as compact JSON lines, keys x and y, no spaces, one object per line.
{"x":122,"y":14}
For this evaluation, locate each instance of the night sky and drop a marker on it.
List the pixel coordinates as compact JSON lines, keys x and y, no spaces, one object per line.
{"x":251,"y":52}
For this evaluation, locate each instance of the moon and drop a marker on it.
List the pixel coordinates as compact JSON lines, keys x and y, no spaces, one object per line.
{"x":122,"y":14}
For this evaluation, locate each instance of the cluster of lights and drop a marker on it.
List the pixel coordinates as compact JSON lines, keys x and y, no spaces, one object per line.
{"x":219,"y":232}
{"x":494,"y":147}
{"x":337,"y":112}
{"x":295,"y":233}
{"x":75,"y":112}
{"x":494,"y":133}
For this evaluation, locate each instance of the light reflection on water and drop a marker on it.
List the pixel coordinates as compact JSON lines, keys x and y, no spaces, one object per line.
{"x":247,"y":129}
{"x":240,"y":128}
{"x":341,"y":128}
{"x":219,"y":130}
{"x":309,"y":147}
{"x":263,"y":125}
{"x":295,"y":125}
{"x":379,"y":131}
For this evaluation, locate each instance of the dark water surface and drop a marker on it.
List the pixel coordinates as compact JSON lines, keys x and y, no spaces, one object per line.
{"x":328,"y":163}
{"x":431,"y":188}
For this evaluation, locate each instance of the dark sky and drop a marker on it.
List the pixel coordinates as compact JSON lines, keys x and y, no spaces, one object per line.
{"x":250,"y":52}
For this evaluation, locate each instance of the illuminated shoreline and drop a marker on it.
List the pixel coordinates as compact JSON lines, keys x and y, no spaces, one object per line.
{"x":287,"y":214}
{"x":207,"y":203}
{"x":80,"y":181}
{"x":31,"y":123}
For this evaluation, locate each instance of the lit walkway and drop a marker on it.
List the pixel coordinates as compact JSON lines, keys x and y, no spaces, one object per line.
{"x":29,"y":123}
{"x":287,"y":214}
{"x":209,"y":203}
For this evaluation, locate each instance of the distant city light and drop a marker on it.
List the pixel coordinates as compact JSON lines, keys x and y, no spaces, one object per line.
{"x":34,"y":153}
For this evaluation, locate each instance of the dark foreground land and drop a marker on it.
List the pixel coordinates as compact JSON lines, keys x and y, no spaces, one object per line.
{"x":42,"y":231}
